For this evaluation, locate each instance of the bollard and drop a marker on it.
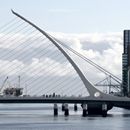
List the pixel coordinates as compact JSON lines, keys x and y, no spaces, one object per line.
{"x":55,"y":109}
{"x":104,"y":109}
{"x":84,"y":110}
{"x":75,"y":107}
{"x":66,"y":110}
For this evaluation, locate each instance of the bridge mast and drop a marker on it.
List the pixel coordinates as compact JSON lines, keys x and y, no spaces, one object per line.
{"x":94,"y":93}
{"x":91,"y":89}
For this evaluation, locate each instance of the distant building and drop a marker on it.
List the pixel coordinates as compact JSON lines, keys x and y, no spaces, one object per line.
{"x":126,"y":64}
{"x":11,"y":91}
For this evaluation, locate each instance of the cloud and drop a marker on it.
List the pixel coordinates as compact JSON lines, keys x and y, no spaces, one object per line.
{"x":62,"y":11}
{"x":99,"y":47}
{"x":105,"y":49}
{"x":40,"y":62}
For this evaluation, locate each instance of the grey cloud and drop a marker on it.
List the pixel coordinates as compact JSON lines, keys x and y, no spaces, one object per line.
{"x":108,"y":49}
{"x":99,"y":46}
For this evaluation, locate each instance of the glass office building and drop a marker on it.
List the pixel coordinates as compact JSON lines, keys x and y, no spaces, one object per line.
{"x":126,"y":64}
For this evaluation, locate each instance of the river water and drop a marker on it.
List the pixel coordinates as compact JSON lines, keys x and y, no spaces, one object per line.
{"x":40,"y":117}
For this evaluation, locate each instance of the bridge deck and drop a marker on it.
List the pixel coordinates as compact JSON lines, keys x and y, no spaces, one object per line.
{"x":117,"y":102}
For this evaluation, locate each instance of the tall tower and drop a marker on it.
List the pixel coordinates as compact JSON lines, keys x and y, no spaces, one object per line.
{"x":126,"y":64}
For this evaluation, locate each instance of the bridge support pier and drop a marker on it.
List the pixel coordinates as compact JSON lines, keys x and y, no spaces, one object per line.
{"x":55,"y":109}
{"x":66,"y":110}
{"x":75,"y":107}
{"x":104,"y":109}
{"x":63,"y":107}
{"x":84,"y":106}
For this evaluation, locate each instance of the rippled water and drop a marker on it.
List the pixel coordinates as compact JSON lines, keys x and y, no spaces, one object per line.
{"x":40,"y":117}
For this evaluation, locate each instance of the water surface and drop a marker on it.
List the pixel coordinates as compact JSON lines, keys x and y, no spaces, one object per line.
{"x":40,"y":117}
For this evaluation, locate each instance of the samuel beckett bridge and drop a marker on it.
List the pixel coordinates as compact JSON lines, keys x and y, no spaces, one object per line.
{"x":48,"y":73}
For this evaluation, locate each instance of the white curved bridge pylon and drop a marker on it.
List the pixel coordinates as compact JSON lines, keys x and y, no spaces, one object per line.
{"x":94,"y":93}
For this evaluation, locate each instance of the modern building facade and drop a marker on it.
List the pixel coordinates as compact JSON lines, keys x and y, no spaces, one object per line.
{"x":126,"y":64}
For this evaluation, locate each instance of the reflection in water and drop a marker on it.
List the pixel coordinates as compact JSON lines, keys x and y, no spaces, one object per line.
{"x":38,"y":117}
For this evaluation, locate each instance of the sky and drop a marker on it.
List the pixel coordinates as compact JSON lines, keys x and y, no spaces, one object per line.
{"x":72,"y":16}
{"x":94,"y":28}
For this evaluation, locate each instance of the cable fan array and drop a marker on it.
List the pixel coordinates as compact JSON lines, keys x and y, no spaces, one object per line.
{"x":42,"y":68}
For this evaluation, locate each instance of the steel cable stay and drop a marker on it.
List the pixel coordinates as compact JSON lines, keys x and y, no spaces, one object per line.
{"x":51,"y":80}
{"x":13,"y":36}
{"x":8,"y":23}
{"x":116,"y":86}
{"x":56,"y":79}
{"x":12,"y":70}
{"x":8,"y":27}
{"x":88,"y":60}
{"x":23,"y":56}
{"x":58,"y":83}
{"x":12,"y":30}
{"x":18,"y":46}
{"x":62,"y":89}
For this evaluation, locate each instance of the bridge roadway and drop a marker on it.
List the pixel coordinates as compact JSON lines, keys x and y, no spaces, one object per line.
{"x":122,"y":102}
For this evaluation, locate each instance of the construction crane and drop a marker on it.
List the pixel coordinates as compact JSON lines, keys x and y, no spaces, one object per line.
{"x":11,"y":91}
{"x":111,"y":83}
{"x":3,"y":84}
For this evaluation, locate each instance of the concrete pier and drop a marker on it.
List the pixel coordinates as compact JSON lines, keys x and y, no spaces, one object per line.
{"x":66,"y":110}
{"x":84,"y":106}
{"x":63,"y":107}
{"x":75,"y":107}
{"x":55,"y":109}
{"x":104,"y":109}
